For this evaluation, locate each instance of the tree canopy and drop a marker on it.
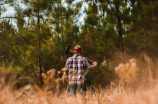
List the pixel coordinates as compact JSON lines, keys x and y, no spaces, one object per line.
{"x":45,"y":27}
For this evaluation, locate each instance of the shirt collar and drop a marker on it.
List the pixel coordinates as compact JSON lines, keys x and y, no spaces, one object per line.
{"x":75,"y":55}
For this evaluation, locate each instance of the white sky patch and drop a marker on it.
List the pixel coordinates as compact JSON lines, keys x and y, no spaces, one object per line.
{"x":81,"y":18}
{"x":9,"y":11}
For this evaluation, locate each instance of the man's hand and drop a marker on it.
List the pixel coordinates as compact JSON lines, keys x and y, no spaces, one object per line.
{"x":93,"y":65}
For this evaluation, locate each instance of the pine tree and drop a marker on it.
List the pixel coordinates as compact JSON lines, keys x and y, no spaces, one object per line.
{"x":65,"y":31}
{"x":143,"y":32}
{"x":37,"y":10}
{"x":117,"y":14}
{"x":7,"y":30}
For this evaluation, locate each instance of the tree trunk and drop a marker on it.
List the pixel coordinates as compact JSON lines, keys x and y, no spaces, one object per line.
{"x":39,"y":49}
{"x":120,"y":37}
{"x":119,"y":29}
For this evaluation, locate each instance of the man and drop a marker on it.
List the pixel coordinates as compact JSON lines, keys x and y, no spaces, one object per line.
{"x":76,"y":66}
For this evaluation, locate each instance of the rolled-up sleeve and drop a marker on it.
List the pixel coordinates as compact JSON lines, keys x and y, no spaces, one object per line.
{"x":86,"y":63}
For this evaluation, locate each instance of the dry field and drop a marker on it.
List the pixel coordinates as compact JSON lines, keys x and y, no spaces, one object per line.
{"x":117,"y":95}
{"x":136,"y":86}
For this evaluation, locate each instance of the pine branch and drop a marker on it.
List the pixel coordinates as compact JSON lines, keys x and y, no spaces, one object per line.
{"x":8,"y":17}
{"x":9,"y":2}
{"x":113,"y":11}
{"x":12,"y":17}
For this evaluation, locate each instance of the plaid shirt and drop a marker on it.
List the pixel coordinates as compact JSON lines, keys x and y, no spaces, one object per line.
{"x":76,"y":65}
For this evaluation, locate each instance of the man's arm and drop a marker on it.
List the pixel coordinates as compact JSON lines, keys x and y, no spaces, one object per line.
{"x":86,"y":64}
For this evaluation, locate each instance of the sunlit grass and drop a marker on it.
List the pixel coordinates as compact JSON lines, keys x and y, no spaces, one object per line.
{"x":117,"y":95}
{"x":146,"y":92}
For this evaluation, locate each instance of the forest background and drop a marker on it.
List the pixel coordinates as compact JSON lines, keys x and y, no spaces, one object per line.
{"x":34,"y":39}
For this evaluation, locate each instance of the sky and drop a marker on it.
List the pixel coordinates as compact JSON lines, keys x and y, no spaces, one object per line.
{"x":10,"y":12}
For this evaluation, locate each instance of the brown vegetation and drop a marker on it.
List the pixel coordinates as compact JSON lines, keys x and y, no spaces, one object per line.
{"x":55,"y":81}
{"x":128,"y":73}
{"x":136,"y":85}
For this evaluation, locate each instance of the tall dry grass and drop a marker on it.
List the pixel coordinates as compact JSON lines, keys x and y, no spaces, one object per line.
{"x":137,"y":86}
{"x":117,"y":95}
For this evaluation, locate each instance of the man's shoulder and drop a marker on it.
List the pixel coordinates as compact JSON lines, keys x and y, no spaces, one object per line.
{"x":71,"y":58}
{"x":82,"y":57}
{"x":79,"y":57}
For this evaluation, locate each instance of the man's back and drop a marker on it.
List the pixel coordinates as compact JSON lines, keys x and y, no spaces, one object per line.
{"x":76,"y":65}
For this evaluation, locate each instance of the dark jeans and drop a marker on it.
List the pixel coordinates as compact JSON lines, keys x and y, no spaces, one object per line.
{"x":77,"y":88}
